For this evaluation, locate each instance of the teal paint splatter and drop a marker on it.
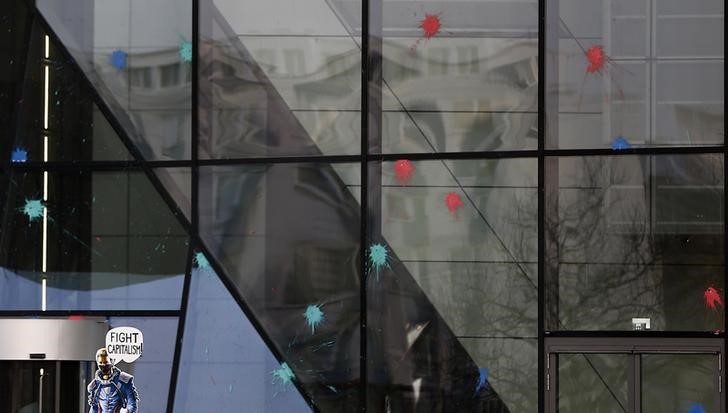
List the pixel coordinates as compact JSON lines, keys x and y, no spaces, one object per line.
{"x":378,"y":257}
{"x":201,"y":261}
{"x":325,"y":344}
{"x":185,"y":51}
{"x":283,"y":375}
{"x":33,"y":209}
{"x":314,"y":316}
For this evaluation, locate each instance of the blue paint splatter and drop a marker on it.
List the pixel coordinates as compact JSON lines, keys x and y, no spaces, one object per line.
{"x":620,"y":143}
{"x":201,"y":261}
{"x":482,"y":379}
{"x":283,"y":375}
{"x":118,"y":59}
{"x":696,"y":408}
{"x":185,"y":51}
{"x":314,"y":316}
{"x":33,"y":209}
{"x":378,"y":257}
{"x":19,"y":155}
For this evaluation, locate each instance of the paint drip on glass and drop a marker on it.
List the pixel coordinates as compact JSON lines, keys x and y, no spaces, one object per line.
{"x":314,"y":317}
{"x":378,"y":258}
{"x":19,"y":155}
{"x":283,"y":375}
{"x":620,"y":144}
{"x":201,"y":261}
{"x":712,"y":298}
{"x":430,"y":27}
{"x":185,"y":51}
{"x":482,"y":380}
{"x":118,"y":59}
{"x":453,"y":202}
{"x":403,"y":170}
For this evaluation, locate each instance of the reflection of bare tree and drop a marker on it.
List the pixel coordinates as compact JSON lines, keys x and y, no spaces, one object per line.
{"x":609,"y":247}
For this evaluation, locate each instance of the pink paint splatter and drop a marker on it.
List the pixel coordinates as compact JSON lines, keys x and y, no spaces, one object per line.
{"x":403,"y":170}
{"x":453,"y":202}
{"x":430,"y":26}
{"x":712,"y":297}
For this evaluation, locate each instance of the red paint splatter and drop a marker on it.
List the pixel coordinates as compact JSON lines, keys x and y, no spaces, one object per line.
{"x":712,"y":297}
{"x":403,"y":170}
{"x":430,"y":26}
{"x":453,"y":202}
{"x":597,"y":59}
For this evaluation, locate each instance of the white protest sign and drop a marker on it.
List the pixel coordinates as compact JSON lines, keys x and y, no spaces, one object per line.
{"x":124,"y":344}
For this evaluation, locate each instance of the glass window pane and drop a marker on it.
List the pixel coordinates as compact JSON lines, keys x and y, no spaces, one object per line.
{"x":593,"y":383}
{"x":288,"y":236}
{"x":683,"y":383}
{"x":98,"y":241}
{"x":225,"y":364}
{"x":138,"y":57}
{"x":635,"y":237}
{"x":635,"y":74}
{"x":459,"y":76}
{"x":178,"y":182}
{"x":452,"y":285}
{"x":277,"y":83}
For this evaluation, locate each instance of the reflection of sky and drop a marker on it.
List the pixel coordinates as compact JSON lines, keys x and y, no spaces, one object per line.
{"x":90,"y":291}
{"x":225,"y":365}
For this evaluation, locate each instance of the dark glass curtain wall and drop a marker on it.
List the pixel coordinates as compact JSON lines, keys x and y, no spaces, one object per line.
{"x":368,"y":205}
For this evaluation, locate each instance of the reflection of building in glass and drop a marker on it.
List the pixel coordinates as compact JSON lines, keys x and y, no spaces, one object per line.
{"x":227,"y":202}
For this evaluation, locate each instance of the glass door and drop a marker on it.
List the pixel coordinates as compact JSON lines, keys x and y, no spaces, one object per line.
{"x":27,"y":386}
{"x":634,"y":375}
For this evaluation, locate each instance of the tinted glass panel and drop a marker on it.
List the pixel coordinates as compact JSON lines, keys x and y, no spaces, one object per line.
{"x":593,"y":383}
{"x":95,"y":240}
{"x":48,"y":114}
{"x":178,"y":182}
{"x":635,"y":236}
{"x":278,"y":83}
{"x":452,"y":285}
{"x":138,"y":56}
{"x":288,"y":235}
{"x":672,"y":382}
{"x":459,"y":76}
{"x":649,"y":73}
{"x":225,"y":364}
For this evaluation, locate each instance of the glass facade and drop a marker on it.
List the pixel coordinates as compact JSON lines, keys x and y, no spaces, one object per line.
{"x":368,"y":205}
